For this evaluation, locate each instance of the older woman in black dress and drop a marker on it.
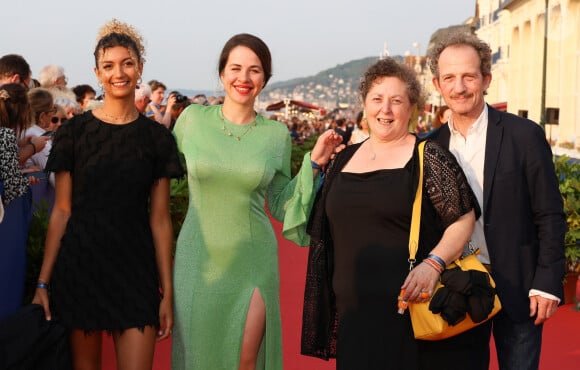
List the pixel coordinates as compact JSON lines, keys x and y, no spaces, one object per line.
{"x":360,"y":231}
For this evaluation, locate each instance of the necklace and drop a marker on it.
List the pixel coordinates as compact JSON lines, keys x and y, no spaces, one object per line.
{"x":126,"y":118}
{"x":249,"y":126}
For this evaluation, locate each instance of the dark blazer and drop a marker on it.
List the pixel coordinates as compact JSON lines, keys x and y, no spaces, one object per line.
{"x":524,"y":221}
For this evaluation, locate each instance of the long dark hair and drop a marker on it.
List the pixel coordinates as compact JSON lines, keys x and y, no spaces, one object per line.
{"x":15,"y":112}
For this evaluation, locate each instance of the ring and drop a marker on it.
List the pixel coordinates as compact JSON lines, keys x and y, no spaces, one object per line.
{"x":425,"y":295}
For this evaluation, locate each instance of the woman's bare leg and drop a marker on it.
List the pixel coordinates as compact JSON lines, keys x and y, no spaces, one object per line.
{"x":86,"y":349}
{"x":135,"y":348}
{"x":253,"y":332}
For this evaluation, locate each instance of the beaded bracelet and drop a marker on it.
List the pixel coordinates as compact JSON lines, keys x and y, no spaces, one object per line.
{"x":315,"y":165}
{"x":41,"y":285}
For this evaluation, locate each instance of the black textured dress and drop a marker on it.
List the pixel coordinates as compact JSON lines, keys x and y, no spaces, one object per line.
{"x":357,"y":262}
{"x":369,"y":216}
{"x":105,"y":276}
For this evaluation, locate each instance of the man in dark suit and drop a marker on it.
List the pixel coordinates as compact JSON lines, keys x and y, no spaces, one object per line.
{"x":508,"y":164}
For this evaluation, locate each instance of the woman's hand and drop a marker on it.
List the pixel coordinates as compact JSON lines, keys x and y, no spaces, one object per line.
{"x":420,"y":283}
{"x":165,"y":318}
{"x":337,"y":150}
{"x":41,"y":298}
{"x":325,"y":147}
{"x":39,"y":142}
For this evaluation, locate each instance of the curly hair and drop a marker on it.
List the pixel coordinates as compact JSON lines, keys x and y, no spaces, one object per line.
{"x":389,"y":67}
{"x":460,"y":39}
{"x":117,"y":33}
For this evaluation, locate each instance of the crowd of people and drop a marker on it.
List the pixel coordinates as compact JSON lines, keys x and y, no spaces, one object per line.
{"x":104,"y":162}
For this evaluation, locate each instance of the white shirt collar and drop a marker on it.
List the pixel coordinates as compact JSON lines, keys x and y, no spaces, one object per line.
{"x":476,"y":128}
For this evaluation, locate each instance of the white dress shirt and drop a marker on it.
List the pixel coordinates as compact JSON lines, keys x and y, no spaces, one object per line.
{"x":39,"y":159}
{"x":470,"y":154}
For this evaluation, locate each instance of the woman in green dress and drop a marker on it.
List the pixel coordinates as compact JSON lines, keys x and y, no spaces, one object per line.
{"x":226,"y":264}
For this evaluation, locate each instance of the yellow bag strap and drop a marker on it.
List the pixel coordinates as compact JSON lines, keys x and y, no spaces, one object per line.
{"x":416,"y":216}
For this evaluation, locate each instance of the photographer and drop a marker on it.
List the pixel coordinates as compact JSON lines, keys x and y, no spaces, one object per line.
{"x":180,"y":103}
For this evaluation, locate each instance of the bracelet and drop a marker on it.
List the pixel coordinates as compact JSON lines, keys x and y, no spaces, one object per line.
{"x":41,"y":285}
{"x":438,"y":259}
{"x":315,"y":165}
{"x":33,"y":147}
{"x":434,"y":265}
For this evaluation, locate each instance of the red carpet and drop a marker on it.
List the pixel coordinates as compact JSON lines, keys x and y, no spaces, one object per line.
{"x":560,"y":351}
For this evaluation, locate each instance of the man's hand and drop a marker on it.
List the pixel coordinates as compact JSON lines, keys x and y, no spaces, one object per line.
{"x":542,"y":308}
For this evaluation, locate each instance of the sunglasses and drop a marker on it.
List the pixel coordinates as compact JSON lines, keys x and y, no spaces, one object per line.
{"x":55,"y":120}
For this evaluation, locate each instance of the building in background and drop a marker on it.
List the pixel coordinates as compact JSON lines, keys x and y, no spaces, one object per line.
{"x":515,"y":30}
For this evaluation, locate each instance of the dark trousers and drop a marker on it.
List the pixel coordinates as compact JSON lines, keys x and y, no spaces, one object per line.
{"x":518,"y":345}
{"x":13,"y":237}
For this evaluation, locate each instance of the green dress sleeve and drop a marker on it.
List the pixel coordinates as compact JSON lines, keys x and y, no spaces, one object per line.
{"x":290,"y":200}
{"x":179,"y":128}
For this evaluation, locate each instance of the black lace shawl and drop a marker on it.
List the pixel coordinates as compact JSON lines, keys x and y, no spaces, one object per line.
{"x":446,"y":197}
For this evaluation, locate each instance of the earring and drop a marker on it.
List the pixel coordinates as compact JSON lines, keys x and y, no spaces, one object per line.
{"x":139,"y":81}
{"x":100,"y":85}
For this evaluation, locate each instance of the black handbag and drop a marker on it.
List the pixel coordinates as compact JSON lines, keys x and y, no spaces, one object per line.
{"x":29,"y":342}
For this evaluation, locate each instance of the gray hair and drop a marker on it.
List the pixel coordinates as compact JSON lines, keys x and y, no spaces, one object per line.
{"x":49,"y":74}
{"x":460,"y":39}
{"x":142,"y":90}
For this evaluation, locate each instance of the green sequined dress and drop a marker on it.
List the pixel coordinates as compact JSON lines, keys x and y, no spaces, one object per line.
{"x":227,"y":246}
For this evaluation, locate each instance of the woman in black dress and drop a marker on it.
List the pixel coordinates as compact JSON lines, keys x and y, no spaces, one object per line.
{"x":358,"y":261}
{"x":109,"y":241}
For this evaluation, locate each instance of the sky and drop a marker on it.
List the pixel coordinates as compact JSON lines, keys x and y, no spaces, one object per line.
{"x":183,"y":38}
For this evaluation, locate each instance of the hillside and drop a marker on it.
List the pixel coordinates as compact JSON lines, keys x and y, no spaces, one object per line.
{"x":346,"y":71}
{"x":328,"y":88}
